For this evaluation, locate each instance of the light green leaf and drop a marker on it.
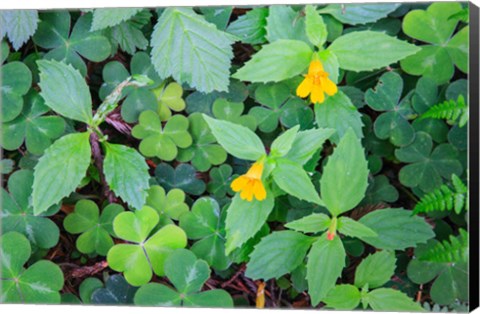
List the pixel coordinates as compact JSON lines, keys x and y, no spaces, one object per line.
{"x":250,"y":27}
{"x":276,"y":62}
{"x":16,"y":81}
{"x":375,"y":270}
{"x":108,"y":17}
{"x":278,"y":254}
{"x":237,"y":140}
{"x":282,"y":144}
{"x":73,"y":100}
{"x":18,"y":25}
{"x":343,"y":297}
{"x":355,"y":229}
{"x":244,"y":219}
{"x":389,"y":300}
{"x":315,"y":27}
{"x":291,"y":178}
{"x":283,"y":22}
{"x":306,"y":143}
{"x":191,"y":50}
{"x":375,"y":49}
{"x":310,"y":224}
{"x":345,"y":177}
{"x":325,"y":264}
{"x":60,"y":170}
{"x":126,"y":173}
{"x":458,"y":49}
{"x":353,"y":13}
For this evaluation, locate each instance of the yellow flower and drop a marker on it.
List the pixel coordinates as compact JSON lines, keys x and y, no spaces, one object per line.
{"x":316,"y":83}
{"x":250,"y":184}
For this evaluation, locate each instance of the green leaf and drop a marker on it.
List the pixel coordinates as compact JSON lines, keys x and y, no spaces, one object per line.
{"x":126,"y":172}
{"x":158,"y":141}
{"x":196,"y":53}
{"x":310,"y":224}
{"x":32,"y":127}
{"x":108,"y":17}
{"x":183,"y":177}
{"x":277,"y":61}
{"x":39,"y":283}
{"x":73,"y":100}
{"x":250,"y":27}
{"x":16,"y":81}
{"x":244,"y":220}
{"x":283,"y":143}
{"x":206,"y":224}
{"x":116,"y":291}
{"x":337,"y":112}
{"x":237,"y":140}
{"x":291,"y":178}
{"x":278,"y":254}
{"x":426,"y":167}
{"x":17,"y":212}
{"x":169,"y":205}
{"x":380,"y":190}
{"x":354,"y":229}
{"x":396,"y":228}
{"x":385,"y":299}
{"x":220,"y":180}
{"x":87,"y":288}
{"x":204,"y":152}
{"x":375,"y":270}
{"x":283,"y":22}
{"x":343,"y":297}
{"x":330,"y":64}
{"x":393,"y":124}
{"x":169,"y":99}
{"x":220,"y":16}
{"x":18,"y":25}
{"x":375,"y":49}
{"x":306,"y":143}
{"x":458,"y":49}
{"x":147,"y":254}
{"x":353,"y":14}
{"x":232,"y":111}
{"x":324,"y":255}
{"x":346,"y":173}
{"x":60,"y":170}
{"x":96,"y":230}
{"x":315,"y":27}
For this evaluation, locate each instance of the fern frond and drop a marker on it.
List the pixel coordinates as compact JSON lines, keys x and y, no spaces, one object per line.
{"x":449,"y":251}
{"x":450,"y":110}
{"x":444,"y":198}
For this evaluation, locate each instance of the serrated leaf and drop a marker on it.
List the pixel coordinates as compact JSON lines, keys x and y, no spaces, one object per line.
{"x":385,"y":299}
{"x":354,"y":229}
{"x":250,"y":27}
{"x":18,"y":25}
{"x":126,"y":172}
{"x":283,"y":22}
{"x":353,"y":14}
{"x":108,"y":17}
{"x":315,"y":27}
{"x":310,"y":224}
{"x":343,"y":297}
{"x":60,"y":170}
{"x":306,"y":143}
{"x":375,"y":270}
{"x":196,"y":53}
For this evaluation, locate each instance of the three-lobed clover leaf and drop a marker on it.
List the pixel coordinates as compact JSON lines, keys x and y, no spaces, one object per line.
{"x":220,"y":180}
{"x":188,"y":275}
{"x":427,"y":167}
{"x":146,"y":252}
{"x":95,"y":228}
{"x":278,"y":105}
{"x":116,"y":291}
{"x":16,"y":81}
{"x":434,"y":26}
{"x":393,"y":123}
{"x":17,"y":212}
{"x":206,"y":224}
{"x":232,"y":111}
{"x":184,"y":177}
{"x":33,"y":127}
{"x":39,"y":283}
{"x":170,"y":206}
{"x":169,"y":98}
{"x":54,"y":33}
{"x":204,"y":152}
{"x":158,"y":141}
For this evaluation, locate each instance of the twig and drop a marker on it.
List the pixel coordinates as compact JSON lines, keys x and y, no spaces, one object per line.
{"x":234,"y":277}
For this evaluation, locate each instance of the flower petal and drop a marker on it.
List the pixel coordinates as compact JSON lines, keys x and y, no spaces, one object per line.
{"x":328,"y":86}
{"x":255,"y":171}
{"x":317,"y":95}
{"x":239,"y":183}
{"x":315,"y":67}
{"x":305,"y":87}
{"x":259,"y":190}
{"x":247,"y":193}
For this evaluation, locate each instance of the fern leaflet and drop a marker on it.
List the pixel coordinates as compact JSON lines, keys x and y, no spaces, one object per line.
{"x":449,"y":251}
{"x":450,"y":110}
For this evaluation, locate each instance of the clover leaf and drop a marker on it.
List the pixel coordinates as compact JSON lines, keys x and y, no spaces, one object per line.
{"x":220,"y":180}
{"x":433,"y":26}
{"x":278,"y":105}
{"x":116,"y":291}
{"x":39,"y":283}
{"x":184,"y":177}
{"x":137,"y":99}
{"x":6,"y":166}
{"x":393,"y":123}
{"x":380,"y":190}
{"x":96,"y":230}
{"x":188,"y":275}
{"x":37,"y":130}
{"x":54,"y":33}
{"x":169,"y":98}
{"x":158,"y":141}
{"x":426,"y":168}
{"x":16,"y":81}
{"x":17,"y":212}
{"x":145,"y":254}
{"x":169,"y":205}
{"x":450,"y":280}
{"x":232,"y":112}
{"x":206,"y":223}
{"x":204,"y":152}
